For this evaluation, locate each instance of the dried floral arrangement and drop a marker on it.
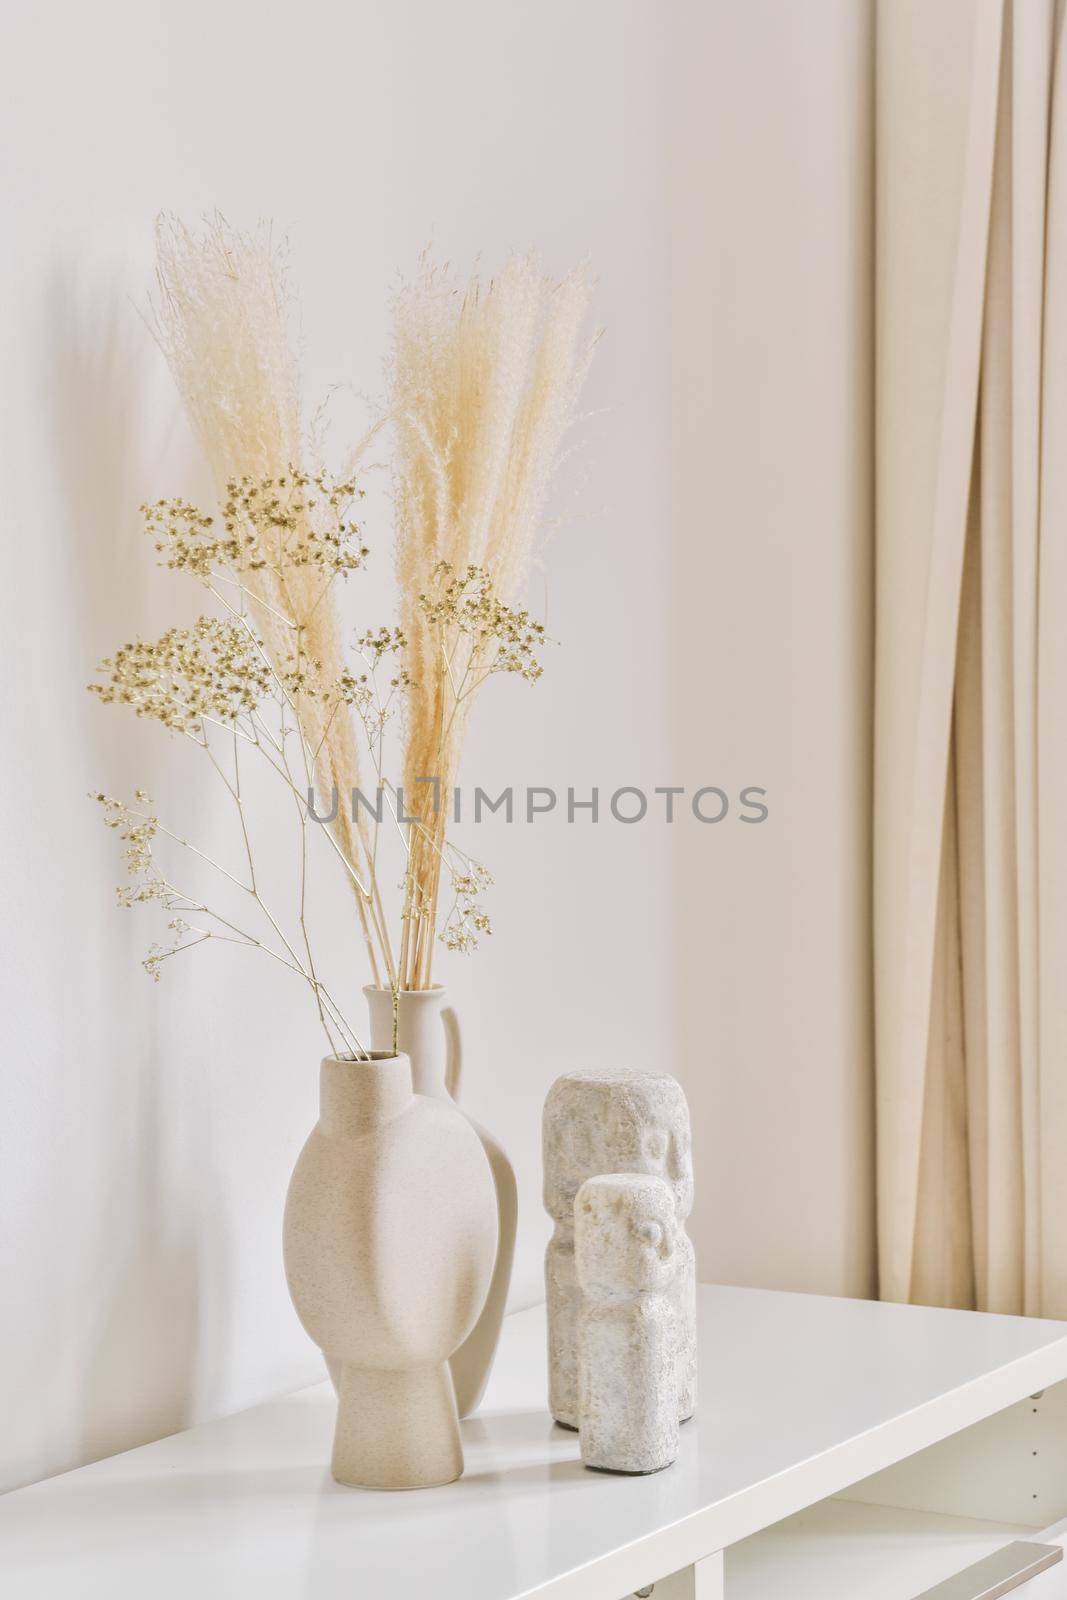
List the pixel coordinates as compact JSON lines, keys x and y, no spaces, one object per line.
{"x":483,"y":386}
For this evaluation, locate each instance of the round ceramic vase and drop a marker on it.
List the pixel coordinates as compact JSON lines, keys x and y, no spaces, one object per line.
{"x":427,"y":1031}
{"x":390,"y":1240}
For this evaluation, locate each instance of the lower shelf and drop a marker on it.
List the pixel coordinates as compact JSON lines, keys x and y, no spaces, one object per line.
{"x":842,"y":1549}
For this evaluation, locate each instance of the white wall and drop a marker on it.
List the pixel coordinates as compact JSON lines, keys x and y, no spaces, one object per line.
{"x":148,"y":1132}
{"x":771,"y":275}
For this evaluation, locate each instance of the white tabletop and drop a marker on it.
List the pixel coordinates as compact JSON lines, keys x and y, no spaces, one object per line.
{"x":800,"y":1397}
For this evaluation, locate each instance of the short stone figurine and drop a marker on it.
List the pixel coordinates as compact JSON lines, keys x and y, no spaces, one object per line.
{"x":610,"y":1121}
{"x":625,"y":1235}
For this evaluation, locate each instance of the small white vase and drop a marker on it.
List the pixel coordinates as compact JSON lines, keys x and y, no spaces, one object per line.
{"x":428,"y":1032}
{"x":390,"y":1237}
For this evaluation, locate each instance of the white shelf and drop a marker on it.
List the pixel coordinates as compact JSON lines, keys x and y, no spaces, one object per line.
{"x":1050,"y":1585}
{"x":801,"y":1398}
{"x":840,"y":1550}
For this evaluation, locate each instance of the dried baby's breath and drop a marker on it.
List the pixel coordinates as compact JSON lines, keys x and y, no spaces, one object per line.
{"x":276,"y":524}
{"x":498,"y":637}
{"x":213,"y":669}
{"x":467,"y":920}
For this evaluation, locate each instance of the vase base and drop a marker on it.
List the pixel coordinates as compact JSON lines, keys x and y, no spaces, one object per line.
{"x":396,"y":1430}
{"x":394,"y":1488}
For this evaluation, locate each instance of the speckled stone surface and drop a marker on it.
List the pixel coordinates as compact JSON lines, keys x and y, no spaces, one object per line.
{"x":626,"y":1259}
{"x":609,"y":1121}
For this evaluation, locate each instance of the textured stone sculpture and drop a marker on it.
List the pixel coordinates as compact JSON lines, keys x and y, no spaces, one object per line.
{"x":611,"y":1121}
{"x":625,"y":1236}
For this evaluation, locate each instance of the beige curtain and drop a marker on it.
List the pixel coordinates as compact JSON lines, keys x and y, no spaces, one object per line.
{"x":971,"y":660}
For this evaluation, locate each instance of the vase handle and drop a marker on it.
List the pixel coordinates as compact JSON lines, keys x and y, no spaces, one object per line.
{"x":453,"y":1051}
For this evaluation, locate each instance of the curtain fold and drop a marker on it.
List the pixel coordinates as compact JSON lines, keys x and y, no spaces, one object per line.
{"x":1051,"y":738}
{"x":970,"y":750}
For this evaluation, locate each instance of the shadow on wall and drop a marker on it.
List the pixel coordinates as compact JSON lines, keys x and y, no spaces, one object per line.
{"x":130,"y":1348}
{"x":139,"y":1362}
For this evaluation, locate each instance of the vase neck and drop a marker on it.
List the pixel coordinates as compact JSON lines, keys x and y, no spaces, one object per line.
{"x":420,"y":1033}
{"x":355,"y":1097}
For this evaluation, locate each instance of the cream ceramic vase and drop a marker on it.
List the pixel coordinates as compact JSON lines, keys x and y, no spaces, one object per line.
{"x":428,"y":1032}
{"x":390,"y":1239}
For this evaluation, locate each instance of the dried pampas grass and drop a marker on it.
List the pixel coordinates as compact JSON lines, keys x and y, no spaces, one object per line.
{"x":484,"y":383}
{"x":223,"y":315}
{"x":484,"y":386}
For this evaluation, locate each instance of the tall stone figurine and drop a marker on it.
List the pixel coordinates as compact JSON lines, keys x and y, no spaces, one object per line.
{"x":610,"y":1121}
{"x":625,"y":1233}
